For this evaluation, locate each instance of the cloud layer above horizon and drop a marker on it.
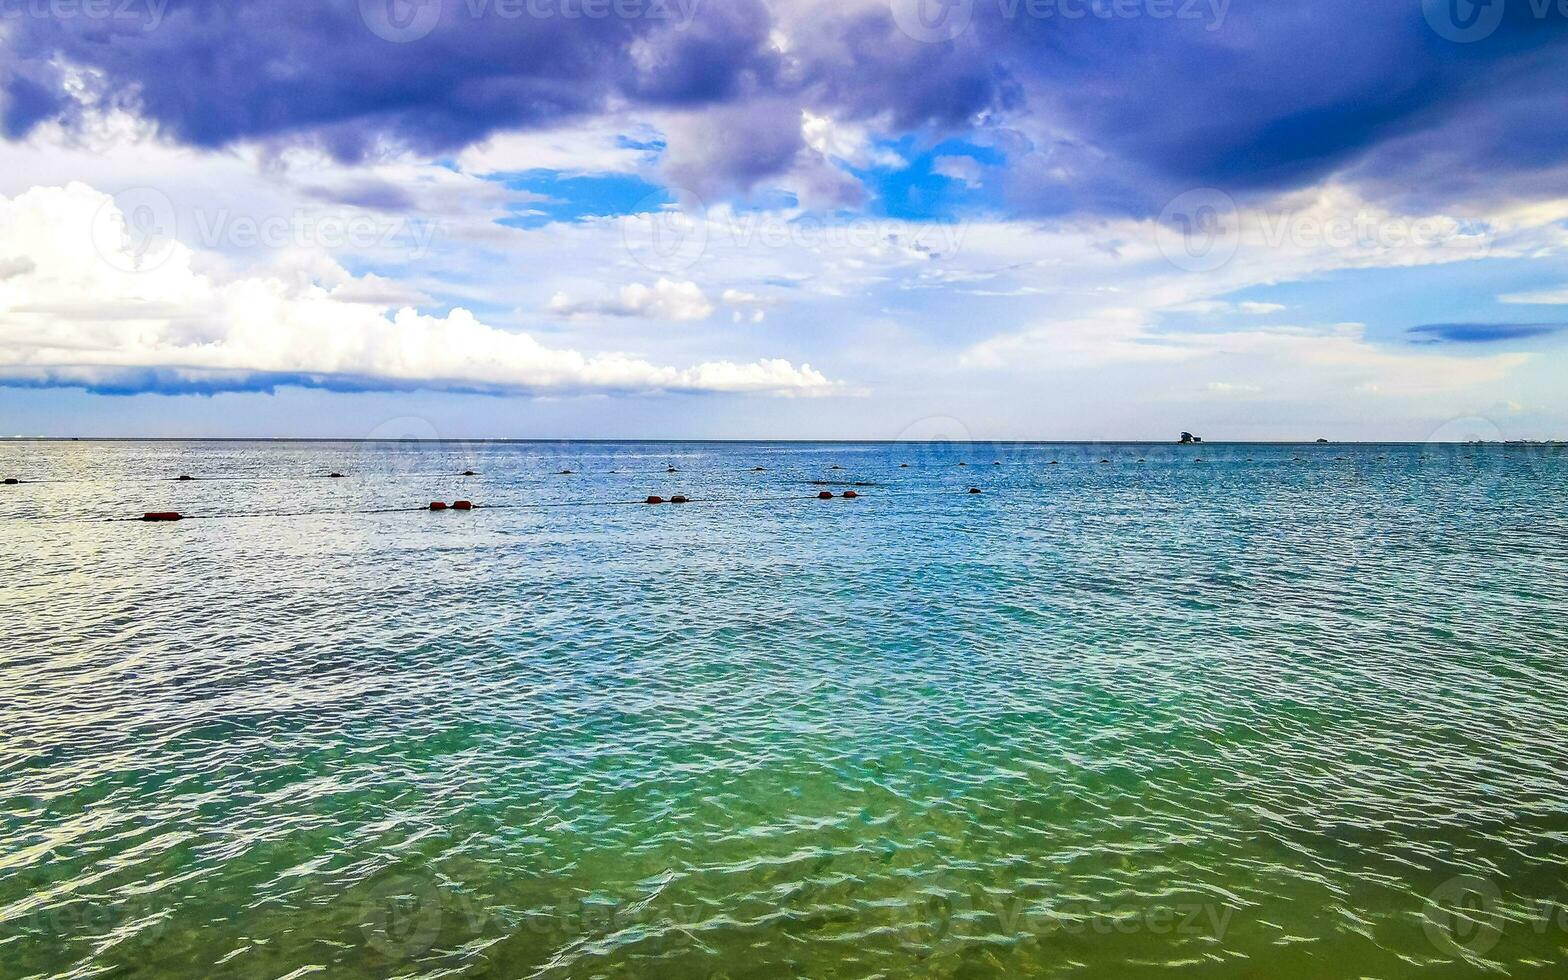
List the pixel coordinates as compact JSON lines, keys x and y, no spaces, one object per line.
{"x":621,"y":198}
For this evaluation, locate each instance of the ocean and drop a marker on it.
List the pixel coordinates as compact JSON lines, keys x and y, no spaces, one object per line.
{"x":1218,"y":711}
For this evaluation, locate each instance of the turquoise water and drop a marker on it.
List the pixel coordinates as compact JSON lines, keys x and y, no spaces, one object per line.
{"x":1290,"y":711}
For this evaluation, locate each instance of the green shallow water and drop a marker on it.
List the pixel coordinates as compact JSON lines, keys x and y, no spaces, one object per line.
{"x":1291,"y":711}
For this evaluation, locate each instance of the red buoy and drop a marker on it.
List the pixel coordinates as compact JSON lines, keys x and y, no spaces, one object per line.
{"x":463,"y":505}
{"x":850,"y":495}
{"x":655,"y":500}
{"x":825,"y":495}
{"x":167,"y":515}
{"x":437,"y":505}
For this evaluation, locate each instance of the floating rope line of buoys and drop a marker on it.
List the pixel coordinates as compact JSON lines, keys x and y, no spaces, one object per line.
{"x":459,"y":505}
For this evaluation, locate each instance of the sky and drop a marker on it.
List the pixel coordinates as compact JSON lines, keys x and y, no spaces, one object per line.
{"x":837,"y":219}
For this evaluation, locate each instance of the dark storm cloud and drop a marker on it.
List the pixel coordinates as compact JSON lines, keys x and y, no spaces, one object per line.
{"x":340,"y":73}
{"x":1106,"y":106}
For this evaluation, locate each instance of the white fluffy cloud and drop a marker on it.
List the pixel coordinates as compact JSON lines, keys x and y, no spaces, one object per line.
{"x":664,"y":300}
{"x":1540,"y":297}
{"x":86,"y":303}
{"x":965,"y":169}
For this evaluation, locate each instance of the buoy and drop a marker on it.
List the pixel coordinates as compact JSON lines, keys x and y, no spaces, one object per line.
{"x":851,"y":495}
{"x":437,"y":505}
{"x":974,"y":489}
{"x":672,"y":470}
{"x":1056,"y":462}
{"x":566,"y":473}
{"x":167,"y":515}
{"x":334,"y":476}
{"x":655,"y":500}
{"x":758,"y":469}
{"x":825,"y":495}
{"x":679,"y":500}
{"x":11,"y":481}
{"x":1105,"y":461}
{"x":835,"y":466}
{"x":963,"y":464}
{"x":997,"y":463}
{"x":903,"y":466}
{"x":463,"y":505}
{"x":469,"y":473}
{"x":182,"y":478}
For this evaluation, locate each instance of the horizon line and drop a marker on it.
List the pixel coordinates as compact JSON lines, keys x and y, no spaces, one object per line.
{"x":740,"y":441}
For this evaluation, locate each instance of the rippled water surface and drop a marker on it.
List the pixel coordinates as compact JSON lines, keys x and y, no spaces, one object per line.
{"x":1221,"y":711}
